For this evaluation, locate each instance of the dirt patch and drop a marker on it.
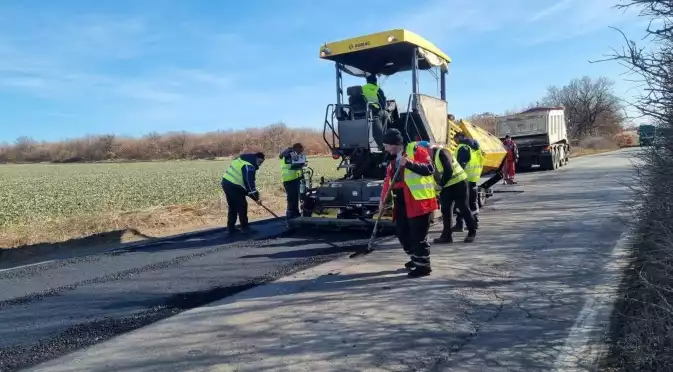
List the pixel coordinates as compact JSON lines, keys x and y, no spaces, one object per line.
{"x":110,"y":229}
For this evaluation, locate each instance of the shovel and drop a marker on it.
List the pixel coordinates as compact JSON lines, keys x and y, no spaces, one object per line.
{"x":267,"y":209}
{"x":370,"y":245}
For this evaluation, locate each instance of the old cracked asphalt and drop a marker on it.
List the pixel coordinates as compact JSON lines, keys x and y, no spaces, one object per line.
{"x":532,"y":294}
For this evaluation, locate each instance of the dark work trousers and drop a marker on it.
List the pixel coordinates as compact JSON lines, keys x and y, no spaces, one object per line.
{"x":474,"y":206}
{"x":455,"y":195}
{"x":238,"y":204}
{"x":377,"y":131}
{"x":412,"y":232}
{"x":292,"y":193}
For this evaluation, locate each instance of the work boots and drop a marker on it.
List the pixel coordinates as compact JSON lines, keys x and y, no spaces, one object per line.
{"x":420,"y":271}
{"x":243,"y":230}
{"x":444,"y":238}
{"x":471,"y":235}
{"x":233,"y":231}
{"x":247,"y":230}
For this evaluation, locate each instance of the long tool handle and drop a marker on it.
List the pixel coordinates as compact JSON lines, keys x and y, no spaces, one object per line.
{"x":268,"y":210}
{"x":378,"y":218}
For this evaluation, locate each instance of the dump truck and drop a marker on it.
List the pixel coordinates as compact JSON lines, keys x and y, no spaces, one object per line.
{"x":541,"y":135}
{"x":352,"y":200}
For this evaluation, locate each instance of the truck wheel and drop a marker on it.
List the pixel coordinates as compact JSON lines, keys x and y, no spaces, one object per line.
{"x":554,"y":160}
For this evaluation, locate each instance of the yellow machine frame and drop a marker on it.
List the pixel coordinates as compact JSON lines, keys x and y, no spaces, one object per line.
{"x":333,"y":50}
{"x":399,"y":50}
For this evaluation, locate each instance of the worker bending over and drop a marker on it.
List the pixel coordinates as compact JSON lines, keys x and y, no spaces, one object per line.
{"x":414,"y":198}
{"x":238,"y":182}
{"x":452,"y":181}
{"x":292,"y":165}
{"x":471,"y":159}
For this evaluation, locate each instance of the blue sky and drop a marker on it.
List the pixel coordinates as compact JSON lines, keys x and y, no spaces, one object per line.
{"x":73,"y":67}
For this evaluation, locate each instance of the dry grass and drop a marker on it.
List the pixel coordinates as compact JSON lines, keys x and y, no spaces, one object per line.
{"x":580,"y":151}
{"x":593,"y":145}
{"x":148,"y":223}
{"x":642,"y":328}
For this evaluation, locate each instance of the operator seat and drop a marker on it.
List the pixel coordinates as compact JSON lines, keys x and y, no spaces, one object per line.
{"x":358,"y":111}
{"x":357,"y":101}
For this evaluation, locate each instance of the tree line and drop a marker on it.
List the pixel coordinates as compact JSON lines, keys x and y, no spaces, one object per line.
{"x":592,"y":109}
{"x":169,"y":146}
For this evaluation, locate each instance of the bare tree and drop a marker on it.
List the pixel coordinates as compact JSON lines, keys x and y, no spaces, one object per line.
{"x":153,"y":140}
{"x":485,"y":120}
{"x":644,"y":341}
{"x":591,"y":107}
{"x":24,"y":146}
{"x":108,"y":143}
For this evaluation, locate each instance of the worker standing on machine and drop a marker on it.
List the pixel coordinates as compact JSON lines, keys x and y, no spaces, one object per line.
{"x":238,"y":182}
{"x":292,"y":165}
{"x":471,"y":159}
{"x":375,"y":96}
{"x":414,"y":198}
{"x":452,"y":180}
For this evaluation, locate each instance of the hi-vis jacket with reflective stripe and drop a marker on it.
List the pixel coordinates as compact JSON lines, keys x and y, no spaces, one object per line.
{"x":242,"y":172}
{"x":371,"y":93}
{"x":473,"y":167}
{"x":427,"y":201}
{"x":234,"y":173}
{"x":458,"y":171}
{"x":291,"y":165}
{"x":421,"y":187}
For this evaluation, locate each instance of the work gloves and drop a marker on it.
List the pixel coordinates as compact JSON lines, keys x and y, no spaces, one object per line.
{"x":254,"y":196}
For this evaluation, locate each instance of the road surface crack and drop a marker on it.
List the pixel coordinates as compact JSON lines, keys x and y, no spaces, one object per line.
{"x":437,"y":363}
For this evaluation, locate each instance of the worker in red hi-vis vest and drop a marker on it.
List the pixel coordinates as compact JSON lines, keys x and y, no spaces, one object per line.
{"x":414,"y":198}
{"x":510,"y":162}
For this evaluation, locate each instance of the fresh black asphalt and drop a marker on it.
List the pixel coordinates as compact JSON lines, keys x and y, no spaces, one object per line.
{"x":51,"y":309}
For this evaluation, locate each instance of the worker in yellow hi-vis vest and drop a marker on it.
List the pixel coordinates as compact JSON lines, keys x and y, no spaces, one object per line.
{"x":414,"y":198}
{"x":377,"y":100}
{"x":238,"y":183}
{"x":470,"y":156}
{"x":451,"y":180}
{"x":292,"y":164}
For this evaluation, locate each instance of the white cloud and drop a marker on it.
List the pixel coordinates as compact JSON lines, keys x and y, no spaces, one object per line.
{"x":574,"y":19}
{"x":65,"y":60}
{"x":544,"y":13}
{"x":457,"y":22}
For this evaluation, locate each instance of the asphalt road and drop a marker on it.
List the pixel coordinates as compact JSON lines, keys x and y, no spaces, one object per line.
{"x":530,"y":294}
{"x":50,"y":309}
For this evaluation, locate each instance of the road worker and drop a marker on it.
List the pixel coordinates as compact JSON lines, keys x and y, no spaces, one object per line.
{"x":471,"y":159}
{"x":451,"y":179}
{"x":292,"y":165}
{"x":374,"y":95}
{"x":238,"y":182}
{"x":414,"y":198}
{"x":512,"y":158}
